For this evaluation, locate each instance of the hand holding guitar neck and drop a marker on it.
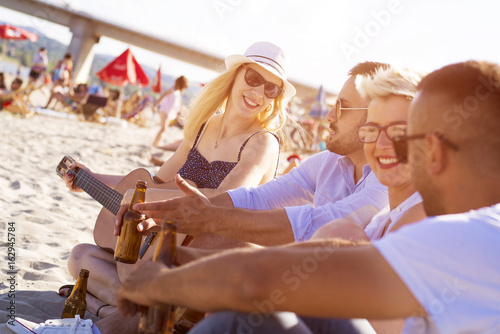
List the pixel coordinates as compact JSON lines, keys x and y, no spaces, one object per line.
{"x":70,"y":175}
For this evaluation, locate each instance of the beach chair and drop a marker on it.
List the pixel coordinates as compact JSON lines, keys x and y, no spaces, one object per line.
{"x":89,"y":107}
{"x":71,"y":101}
{"x":135,"y":115}
{"x":17,"y":102}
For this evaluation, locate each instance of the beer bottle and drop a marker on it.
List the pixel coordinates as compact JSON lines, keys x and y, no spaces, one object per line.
{"x":76,"y":303}
{"x":161,"y":318}
{"x":187,"y":318}
{"x":129,"y":240}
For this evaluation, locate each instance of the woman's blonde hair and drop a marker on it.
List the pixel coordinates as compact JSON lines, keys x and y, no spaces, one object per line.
{"x":214,"y":96}
{"x":399,"y":81}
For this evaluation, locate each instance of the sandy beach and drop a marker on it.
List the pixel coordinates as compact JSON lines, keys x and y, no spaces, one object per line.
{"x":42,"y":216}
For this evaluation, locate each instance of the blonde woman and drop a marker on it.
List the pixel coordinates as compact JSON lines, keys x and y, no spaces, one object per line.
{"x":227,"y":144}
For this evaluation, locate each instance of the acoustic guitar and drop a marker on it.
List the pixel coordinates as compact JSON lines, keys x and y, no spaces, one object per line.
{"x":110,"y":198}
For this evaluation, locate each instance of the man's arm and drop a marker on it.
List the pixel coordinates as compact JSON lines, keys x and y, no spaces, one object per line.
{"x":196,"y":215}
{"x":223,"y":200}
{"x":314,"y":279}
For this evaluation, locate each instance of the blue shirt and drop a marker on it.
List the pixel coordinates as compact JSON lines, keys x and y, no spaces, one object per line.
{"x":320,"y":190}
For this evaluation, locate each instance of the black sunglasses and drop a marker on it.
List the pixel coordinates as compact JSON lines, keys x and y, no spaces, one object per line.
{"x":401,"y":145}
{"x":254,"y":79}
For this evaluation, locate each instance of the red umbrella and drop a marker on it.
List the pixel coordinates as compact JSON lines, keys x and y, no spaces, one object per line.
{"x":156,"y":85}
{"x":123,"y":70}
{"x":8,"y":31}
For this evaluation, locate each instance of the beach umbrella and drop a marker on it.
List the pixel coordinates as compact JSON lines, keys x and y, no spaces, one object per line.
{"x":8,"y":31}
{"x":124,"y":70}
{"x":156,"y":85}
{"x":319,"y":108}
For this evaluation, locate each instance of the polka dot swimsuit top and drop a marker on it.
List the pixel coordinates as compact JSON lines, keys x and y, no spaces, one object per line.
{"x":209,"y":174}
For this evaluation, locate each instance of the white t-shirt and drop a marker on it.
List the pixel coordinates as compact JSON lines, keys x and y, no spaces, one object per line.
{"x":451,"y":264}
{"x":319,"y":190}
{"x":375,"y":228}
{"x":171,"y":104}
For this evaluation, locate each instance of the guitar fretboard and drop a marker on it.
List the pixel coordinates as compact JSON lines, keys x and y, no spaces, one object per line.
{"x":107,"y":197}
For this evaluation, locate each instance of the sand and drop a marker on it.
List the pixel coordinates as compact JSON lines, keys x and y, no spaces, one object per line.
{"x":45,"y":219}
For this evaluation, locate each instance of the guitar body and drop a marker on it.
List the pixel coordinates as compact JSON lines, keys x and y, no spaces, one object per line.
{"x":104,"y":226}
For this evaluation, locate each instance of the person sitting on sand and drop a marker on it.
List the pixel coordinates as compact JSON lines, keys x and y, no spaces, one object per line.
{"x":70,"y":99}
{"x":227,"y":144}
{"x":7,"y":97}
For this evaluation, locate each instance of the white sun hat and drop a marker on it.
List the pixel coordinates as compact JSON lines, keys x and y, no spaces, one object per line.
{"x":270,"y":57}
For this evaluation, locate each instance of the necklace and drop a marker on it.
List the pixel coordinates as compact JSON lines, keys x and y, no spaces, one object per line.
{"x":217,"y":142}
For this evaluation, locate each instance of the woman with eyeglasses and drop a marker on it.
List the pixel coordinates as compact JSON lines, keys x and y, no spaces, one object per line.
{"x":229,"y":142}
{"x":389,"y":92}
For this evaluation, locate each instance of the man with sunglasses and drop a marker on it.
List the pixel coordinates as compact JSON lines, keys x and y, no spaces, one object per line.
{"x":332,"y":184}
{"x":442,"y":274}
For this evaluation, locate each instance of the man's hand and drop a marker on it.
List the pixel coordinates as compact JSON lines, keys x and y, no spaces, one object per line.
{"x":146,"y":226}
{"x":191,"y":211}
{"x":135,"y":291}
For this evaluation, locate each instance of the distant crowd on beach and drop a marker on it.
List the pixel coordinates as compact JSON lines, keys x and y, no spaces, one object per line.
{"x":391,"y":226}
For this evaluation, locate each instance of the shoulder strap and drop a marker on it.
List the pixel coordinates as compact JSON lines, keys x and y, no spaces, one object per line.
{"x":253,"y":134}
{"x":199,"y":134}
{"x":203,"y":127}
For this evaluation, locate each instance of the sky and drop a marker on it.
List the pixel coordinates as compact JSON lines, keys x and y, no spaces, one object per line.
{"x":323,"y":39}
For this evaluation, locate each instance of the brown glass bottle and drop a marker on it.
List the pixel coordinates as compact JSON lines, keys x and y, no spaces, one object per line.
{"x":161,"y":318}
{"x":129,"y":240}
{"x":76,"y":303}
{"x":187,"y":318}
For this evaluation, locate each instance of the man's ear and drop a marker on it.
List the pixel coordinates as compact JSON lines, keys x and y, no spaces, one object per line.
{"x":437,"y":153}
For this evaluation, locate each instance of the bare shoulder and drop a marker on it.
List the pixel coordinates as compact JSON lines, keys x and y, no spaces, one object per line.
{"x":412,"y":215}
{"x":264,"y":140}
{"x":261,"y":146}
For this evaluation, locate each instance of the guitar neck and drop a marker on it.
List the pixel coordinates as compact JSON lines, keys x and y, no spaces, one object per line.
{"x":106,"y":196}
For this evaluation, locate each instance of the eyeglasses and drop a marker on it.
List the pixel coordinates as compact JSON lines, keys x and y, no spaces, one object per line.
{"x":369,"y":133}
{"x":338,"y":108}
{"x":254,"y":79}
{"x":401,"y":145}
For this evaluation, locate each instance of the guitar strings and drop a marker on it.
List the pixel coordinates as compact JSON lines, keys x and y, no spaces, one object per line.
{"x":109,"y":198}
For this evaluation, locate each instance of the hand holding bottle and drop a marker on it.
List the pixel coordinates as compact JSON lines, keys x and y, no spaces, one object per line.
{"x":137,"y":290}
{"x":129,"y":240}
